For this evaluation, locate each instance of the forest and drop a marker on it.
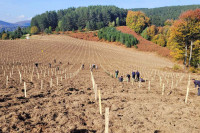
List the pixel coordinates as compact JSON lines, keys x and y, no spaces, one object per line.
{"x":158,"y":16}
{"x":91,"y":18}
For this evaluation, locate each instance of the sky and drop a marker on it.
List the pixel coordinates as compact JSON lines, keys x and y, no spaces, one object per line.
{"x":20,"y":10}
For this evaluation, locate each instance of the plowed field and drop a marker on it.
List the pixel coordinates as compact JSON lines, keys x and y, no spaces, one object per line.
{"x":61,"y":98}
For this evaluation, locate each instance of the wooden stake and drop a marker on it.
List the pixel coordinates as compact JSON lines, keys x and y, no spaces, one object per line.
{"x":149,"y":86}
{"x":186,"y":97}
{"x":172,"y":84}
{"x":57,"y":81}
{"x":163,"y":89}
{"x":51,"y":83}
{"x":31,"y":77}
{"x":41,"y":84}
{"x":160,"y":81}
{"x":20,"y":78}
{"x":25,"y":89}
{"x":6,"y":81}
{"x":188,"y":89}
{"x":100,"y":110}
{"x":106,"y":119}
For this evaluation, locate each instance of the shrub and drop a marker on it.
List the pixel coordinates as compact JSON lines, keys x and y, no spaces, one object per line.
{"x":176,"y":67}
{"x":80,"y":29}
{"x":113,"y":35}
{"x":192,"y":69}
{"x":57,"y":30}
{"x":136,"y":46}
{"x":4,"y":36}
{"x":23,"y":37}
{"x":46,"y":31}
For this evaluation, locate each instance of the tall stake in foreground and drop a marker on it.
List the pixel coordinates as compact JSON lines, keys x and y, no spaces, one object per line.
{"x":106,"y":119}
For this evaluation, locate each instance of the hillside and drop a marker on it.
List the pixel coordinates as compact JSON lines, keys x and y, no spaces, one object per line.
{"x":69,"y":104}
{"x":24,"y":23}
{"x":5,"y":24}
{"x":159,"y":15}
{"x":145,"y":45}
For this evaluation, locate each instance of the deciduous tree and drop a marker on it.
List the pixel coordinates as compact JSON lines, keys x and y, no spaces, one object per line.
{"x":34,"y":30}
{"x":137,"y":21}
{"x":186,"y":30}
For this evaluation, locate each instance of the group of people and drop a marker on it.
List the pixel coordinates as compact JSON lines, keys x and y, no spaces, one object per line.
{"x":37,"y":64}
{"x":135,"y":76}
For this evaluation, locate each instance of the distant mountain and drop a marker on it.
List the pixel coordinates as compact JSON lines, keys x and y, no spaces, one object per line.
{"x":13,"y":26}
{"x":24,"y":23}
{"x":5,"y":24}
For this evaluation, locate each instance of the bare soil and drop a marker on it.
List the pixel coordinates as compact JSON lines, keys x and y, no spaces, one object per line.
{"x":70,"y":105}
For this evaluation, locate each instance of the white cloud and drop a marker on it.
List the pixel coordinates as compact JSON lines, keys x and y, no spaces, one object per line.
{"x":21,"y":16}
{"x":30,"y":18}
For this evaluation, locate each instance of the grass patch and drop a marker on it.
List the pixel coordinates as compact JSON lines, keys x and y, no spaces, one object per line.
{"x":176,"y":67}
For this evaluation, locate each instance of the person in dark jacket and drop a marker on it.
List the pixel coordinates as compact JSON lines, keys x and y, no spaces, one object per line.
{"x":49,"y":65}
{"x":116,"y":73}
{"x":54,"y":60}
{"x":36,"y":64}
{"x":121,"y":79}
{"x":133,"y":75}
{"x":197,"y":83}
{"x":141,"y":79}
{"x":128,"y":77}
{"x":138,"y":75}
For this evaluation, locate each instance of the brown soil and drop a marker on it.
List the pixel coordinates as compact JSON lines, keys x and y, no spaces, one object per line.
{"x":70,"y":106}
{"x":90,"y":36}
{"x":145,"y":45}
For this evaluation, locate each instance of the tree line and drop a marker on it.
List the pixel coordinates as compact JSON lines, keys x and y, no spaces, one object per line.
{"x":158,"y":16}
{"x":91,"y":18}
{"x":112,"y":35}
{"x":18,"y":33}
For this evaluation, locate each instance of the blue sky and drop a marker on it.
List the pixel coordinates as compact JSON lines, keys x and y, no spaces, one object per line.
{"x":19,"y":10}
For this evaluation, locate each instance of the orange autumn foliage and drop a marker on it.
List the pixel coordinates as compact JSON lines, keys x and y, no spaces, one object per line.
{"x":137,"y":21}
